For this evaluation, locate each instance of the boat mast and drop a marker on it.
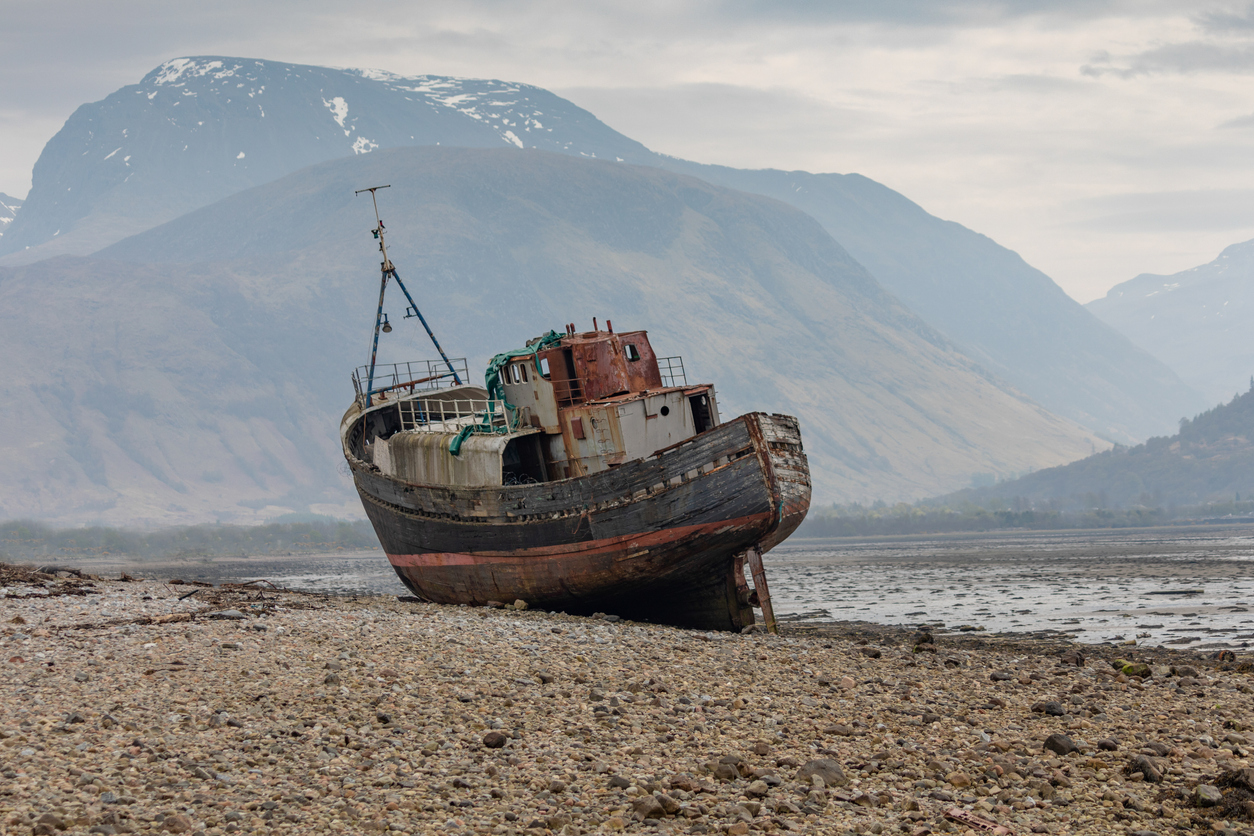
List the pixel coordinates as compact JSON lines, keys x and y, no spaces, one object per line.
{"x":389,"y":271}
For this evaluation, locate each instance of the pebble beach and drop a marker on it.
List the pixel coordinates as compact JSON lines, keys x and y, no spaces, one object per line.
{"x":146,"y":706}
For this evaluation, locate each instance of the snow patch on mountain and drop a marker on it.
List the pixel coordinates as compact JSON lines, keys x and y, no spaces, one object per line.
{"x":8,"y":211}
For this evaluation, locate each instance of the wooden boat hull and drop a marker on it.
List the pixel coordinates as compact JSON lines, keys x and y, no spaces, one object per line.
{"x":659,"y":539}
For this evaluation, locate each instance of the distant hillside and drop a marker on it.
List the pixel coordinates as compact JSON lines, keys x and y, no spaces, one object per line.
{"x":196,"y":130}
{"x":198,"y":371}
{"x":1211,"y":459}
{"x":1003,"y":313}
{"x":1197,"y":321}
{"x":8,"y":211}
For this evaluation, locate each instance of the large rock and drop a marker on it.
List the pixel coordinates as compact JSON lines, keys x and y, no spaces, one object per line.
{"x":827,"y":769}
{"x":1060,"y":744}
{"x":1148,"y":768}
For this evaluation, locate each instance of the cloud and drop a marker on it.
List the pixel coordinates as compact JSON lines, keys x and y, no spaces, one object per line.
{"x":998,"y":114}
{"x":1189,"y":57}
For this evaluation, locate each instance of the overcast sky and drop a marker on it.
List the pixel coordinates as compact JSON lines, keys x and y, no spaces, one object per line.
{"x":1098,"y":139}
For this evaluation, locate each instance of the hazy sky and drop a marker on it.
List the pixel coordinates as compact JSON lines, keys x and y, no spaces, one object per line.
{"x":1098,"y":139}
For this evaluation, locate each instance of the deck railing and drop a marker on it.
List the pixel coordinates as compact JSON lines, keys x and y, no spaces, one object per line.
{"x":413,"y":376}
{"x":439,"y":414}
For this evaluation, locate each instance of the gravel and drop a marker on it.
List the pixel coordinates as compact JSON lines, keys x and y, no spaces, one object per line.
{"x":129,"y":710}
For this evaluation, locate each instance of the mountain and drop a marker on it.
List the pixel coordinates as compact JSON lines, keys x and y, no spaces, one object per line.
{"x":1003,"y":313}
{"x":1197,"y":321}
{"x":208,"y":358}
{"x":196,"y":130}
{"x":1211,"y":459}
{"x":8,"y":211}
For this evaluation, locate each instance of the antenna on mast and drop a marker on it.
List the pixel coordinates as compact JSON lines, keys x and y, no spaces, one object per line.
{"x":387,"y":270}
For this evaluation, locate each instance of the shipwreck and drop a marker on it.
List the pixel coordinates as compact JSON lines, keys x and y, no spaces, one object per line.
{"x":585,"y":475}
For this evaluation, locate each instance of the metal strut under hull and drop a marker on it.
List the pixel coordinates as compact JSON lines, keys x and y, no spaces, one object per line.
{"x":662,"y":539}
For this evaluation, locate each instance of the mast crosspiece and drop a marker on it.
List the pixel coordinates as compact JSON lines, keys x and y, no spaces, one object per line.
{"x":388,"y":271}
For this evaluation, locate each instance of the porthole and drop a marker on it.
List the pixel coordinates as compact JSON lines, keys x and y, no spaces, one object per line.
{"x":666,"y":410}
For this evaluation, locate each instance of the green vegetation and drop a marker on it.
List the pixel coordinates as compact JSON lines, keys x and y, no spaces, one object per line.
{"x":32,"y":541}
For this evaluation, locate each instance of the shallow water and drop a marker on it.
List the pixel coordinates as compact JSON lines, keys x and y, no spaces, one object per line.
{"x":1183,"y":587}
{"x":1190,"y":587}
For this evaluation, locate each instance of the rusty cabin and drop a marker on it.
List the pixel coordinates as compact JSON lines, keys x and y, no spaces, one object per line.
{"x":568,"y":405}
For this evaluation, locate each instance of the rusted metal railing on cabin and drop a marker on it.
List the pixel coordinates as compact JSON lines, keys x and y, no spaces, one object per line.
{"x":567,"y":392}
{"x":672,"y":370}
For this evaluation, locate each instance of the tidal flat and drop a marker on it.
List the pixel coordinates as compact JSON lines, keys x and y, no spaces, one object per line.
{"x":155,"y":707}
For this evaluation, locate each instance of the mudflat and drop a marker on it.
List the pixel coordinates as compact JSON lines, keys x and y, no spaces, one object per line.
{"x":153,"y":707}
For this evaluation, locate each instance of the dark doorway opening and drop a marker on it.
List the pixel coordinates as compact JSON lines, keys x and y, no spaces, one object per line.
{"x":702,"y":420}
{"x":522,"y":462}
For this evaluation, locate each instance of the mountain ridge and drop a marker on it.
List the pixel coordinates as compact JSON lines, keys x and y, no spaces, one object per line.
{"x":497,"y":246}
{"x":8,"y":211}
{"x":1210,"y":460}
{"x":1196,"y":321}
{"x":247,"y":121}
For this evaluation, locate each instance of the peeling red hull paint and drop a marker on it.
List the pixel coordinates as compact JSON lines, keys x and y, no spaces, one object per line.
{"x":660,"y":539}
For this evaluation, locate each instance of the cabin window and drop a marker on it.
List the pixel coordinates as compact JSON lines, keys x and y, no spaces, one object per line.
{"x":631,"y":351}
{"x":544,"y":368}
{"x":513,"y":371}
{"x":522,"y":367}
{"x":576,"y":428}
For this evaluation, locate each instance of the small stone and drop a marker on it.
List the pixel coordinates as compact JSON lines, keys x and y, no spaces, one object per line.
{"x":556,"y":786}
{"x":648,"y":807}
{"x":1108,"y":745}
{"x":1148,"y":769}
{"x":520,"y":604}
{"x":74,"y":717}
{"x":1051,"y":708}
{"x":1060,"y":744}
{"x":669,"y":805}
{"x":871,"y":652}
{"x":960,"y":780}
{"x":178,"y":823}
{"x":1072,"y":657}
{"x":1207,"y":795}
{"x":757,"y":789}
{"x":53,"y":821}
{"x":331,"y":679}
{"x":494,"y":740}
{"x":227,"y":615}
{"x":740,"y":828}
{"x":828,"y":769}
{"x":1000,"y":676}
{"x":614,"y":823}
{"x":618,"y":782}
{"x":847,"y":682}
{"x":82,"y":676}
{"x":1138,"y":669}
